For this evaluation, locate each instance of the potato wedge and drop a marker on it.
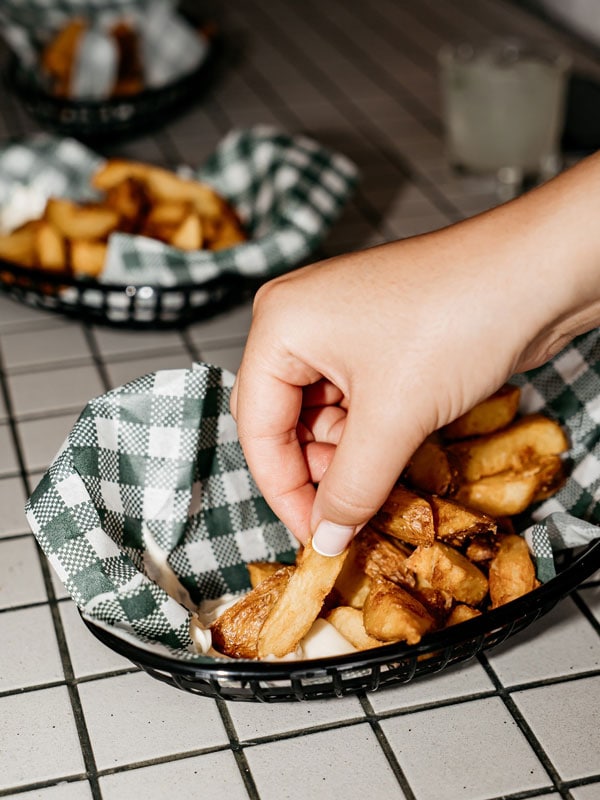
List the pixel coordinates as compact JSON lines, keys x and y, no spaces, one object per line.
{"x":130,"y":201}
{"x":350,"y":623}
{"x":87,"y":258}
{"x":407,"y":516}
{"x":391,"y":614}
{"x":188,"y":235}
{"x":453,"y":521}
{"x":492,"y":414}
{"x":235,"y":632}
{"x":512,"y":573}
{"x":80,"y":221}
{"x":431,"y":468}
{"x":511,"y":492}
{"x":50,"y":248}
{"x":444,"y":568}
{"x":258,"y":571}
{"x":298,"y":607}
{"x":513,"y":448}
{"x":19,"y":245}
{"x":461,"y":613}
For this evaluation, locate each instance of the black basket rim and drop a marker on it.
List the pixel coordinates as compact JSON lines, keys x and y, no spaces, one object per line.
{"x":530,"y":605}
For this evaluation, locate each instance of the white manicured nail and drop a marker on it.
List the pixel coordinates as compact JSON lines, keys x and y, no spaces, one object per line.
{"x":330,"y":539}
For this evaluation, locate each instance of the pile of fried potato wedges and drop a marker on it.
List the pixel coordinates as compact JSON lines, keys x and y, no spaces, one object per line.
{"x":441,"y":550}
{"x":137,"y":198}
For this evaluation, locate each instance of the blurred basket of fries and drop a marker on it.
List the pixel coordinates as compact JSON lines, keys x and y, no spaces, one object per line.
{"x":127,"y":243}
{"x":153,"y":522}
{"x":100,"y":71}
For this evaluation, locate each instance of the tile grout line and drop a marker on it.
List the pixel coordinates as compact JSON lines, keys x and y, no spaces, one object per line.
{"x":67,"y":667}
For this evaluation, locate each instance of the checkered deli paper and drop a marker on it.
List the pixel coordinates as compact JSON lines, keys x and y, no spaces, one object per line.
{"x":287,"y":189}
{"x":151,"y":489}
{"x":168,"y":46}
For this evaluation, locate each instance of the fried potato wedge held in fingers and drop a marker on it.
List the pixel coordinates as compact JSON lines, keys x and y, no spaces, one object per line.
{"x":431,"y":468}
{"x":442,"y":567}
{"x":492,"y":414}
{"x":407,"y":516}
{"x":391,"y":614}
{"x":258,"y":571}
{"x":514,"y":448}
{"x":300,"y":604}
{"x":511,"y":573}
{"x":235,"y":632}
{"x":349,"y":622}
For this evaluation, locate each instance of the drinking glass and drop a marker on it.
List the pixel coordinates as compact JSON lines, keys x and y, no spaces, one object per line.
{"x":503,"y":104}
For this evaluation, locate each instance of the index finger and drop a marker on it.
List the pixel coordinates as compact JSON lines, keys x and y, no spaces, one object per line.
{"x":267,"y":410}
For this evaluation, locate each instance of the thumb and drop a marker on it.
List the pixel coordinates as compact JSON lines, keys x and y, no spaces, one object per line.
{"x":367,"y":462}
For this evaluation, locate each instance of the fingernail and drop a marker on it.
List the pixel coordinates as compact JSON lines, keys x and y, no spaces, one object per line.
{"x":330,"y":539}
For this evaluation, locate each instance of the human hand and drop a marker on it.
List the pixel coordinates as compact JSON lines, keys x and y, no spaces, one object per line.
{"x":352,"y":362}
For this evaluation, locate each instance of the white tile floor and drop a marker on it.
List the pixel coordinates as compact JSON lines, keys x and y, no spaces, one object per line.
{"x":78,"y":721}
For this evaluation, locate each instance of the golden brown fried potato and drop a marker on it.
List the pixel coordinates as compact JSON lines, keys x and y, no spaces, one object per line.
{"x":444,"y":568}
{"x":511,"y":492}
{"x":167,"y":214}
{"x":530,"y":438}
{"x":295,"y":611}
{"x":188,"y":235}
{"x":432,"y":469}
{"x":391,"y":614}
{"x":80,"y":222}
{"x":407,"y":516}
{"x":58,"y":56}
{"x":130,"y":202}
{"x":50,"y":248}
{"x":87,"y":258}
{"x":462,"y":613}
{"x":259,"y":570}
{"x":349,"y":622}
{"x":512,"y":573}
{"x":19,"y":245}
{"x":453,"y":521}
{"x":228,"y":234}
{"x":235,"y":633}
{"x":492,"y":414}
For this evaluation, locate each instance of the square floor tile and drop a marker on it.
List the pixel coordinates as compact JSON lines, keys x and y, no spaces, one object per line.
{"x":453,"y":752}
{"x":589,"y":792}
{"x":562,"y":717}
{"x":41,"y":439}
{"x":16,"y":315}
{"x":22,"y":663}
{"x":231,"y":324}
{"x":345,"y":763}
{"x":55,"y":390}
{"x":591,"y":597}
{"x":73,"y":790}
{"x":134,"y":717}
{"x":211,"y":775}
{"x":112,"y":342}
{"x":561,"y":643}
{"x":228,"y":358}
{"x":459,"y":680}
{"x":12,"y":503}
{"x":121,"y":372}
{"x":8,"y":457}
{"x":253,"y":720}
{"x":88,"y":655}
{"x":39,"y":738}
{"x":61,"y":342}
{"x":21,"y":580}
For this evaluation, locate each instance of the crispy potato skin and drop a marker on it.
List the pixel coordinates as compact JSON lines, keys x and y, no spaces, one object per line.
{"x":512,"y":573}
{"x":492,"y":414}
{"x":444,"y":568}
{"x":350,"y":623}
{"x":391,"y":614}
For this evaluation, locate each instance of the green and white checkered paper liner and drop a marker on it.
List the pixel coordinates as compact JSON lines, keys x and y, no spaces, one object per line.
{"x":287,"y":189}
{"x":151,"y":485}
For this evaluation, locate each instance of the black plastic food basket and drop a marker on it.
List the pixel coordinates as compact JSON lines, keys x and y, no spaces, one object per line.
{"x":367,"y":671}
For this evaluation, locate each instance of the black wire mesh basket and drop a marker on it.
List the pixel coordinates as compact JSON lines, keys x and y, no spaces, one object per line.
{"x":116,"y":117}
{"x":368,"y":671}
{"x":116,"y":305}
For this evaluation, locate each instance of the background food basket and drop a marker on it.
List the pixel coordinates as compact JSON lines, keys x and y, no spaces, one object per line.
{"x":156,"y":466}
{"x":287,"y":189}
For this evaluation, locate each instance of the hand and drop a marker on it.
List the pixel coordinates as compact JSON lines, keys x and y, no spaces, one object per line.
{"x":352,"y":362}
